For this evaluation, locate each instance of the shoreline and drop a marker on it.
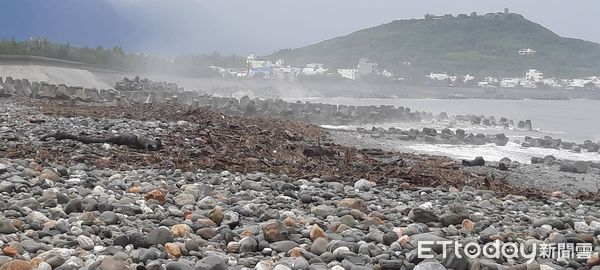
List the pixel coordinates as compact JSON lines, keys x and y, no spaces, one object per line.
{"x":371,"y":151}
{"x":547,"y":175}
{"x":443,"y":135}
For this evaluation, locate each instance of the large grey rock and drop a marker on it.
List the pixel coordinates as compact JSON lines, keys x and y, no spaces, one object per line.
{"x":184,"y":198}
{"x":421,"y":215}
{"x":112,"y":263}
{"x":251,"y":185}
{"x":574,"y":167}
{"x":363,"y":185}
{"x":73,"y":206}
{"x":391,"y":264}
{"x":32,"y":246}
{"x":501,"y":139}
{"x":6,"y":227}
{"x":554,"y":222}
{"x":85,"y":242}
{"x":160,"y":236}
{"x":211,"y":263}
{"x":429,"y":266}
{"x":456,"y":214}
{"x":389,"y":238}
{"x":428,"y":237}
{"x":178,"y":266}
{"x":6,"y":186}
{"x":581,"y":167}
{"x":322,"y":211}
{"x":319,"y":246}
{"x":3,"y":168}
{"x":109,"y":217}
{"x":144,"y":255}
{"x":283,"y":246}
{"x":248,"y":244}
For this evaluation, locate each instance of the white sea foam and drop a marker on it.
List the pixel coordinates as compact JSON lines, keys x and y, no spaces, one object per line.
{"x":492,"y":152}
{"x":571,"y":120}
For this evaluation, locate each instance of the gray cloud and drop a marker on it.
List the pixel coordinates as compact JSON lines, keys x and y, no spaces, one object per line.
{"x":242,"y":26}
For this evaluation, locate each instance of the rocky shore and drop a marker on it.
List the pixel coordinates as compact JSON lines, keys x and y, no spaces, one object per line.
{"x":461,"y":137}
{"x":143,"y":91}
{"x":231,"y":192}
{"x":547,"y":172}
{"x":431,"y":135}
{"x":199,"y":138}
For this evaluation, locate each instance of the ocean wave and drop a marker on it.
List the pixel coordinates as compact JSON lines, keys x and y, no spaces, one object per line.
{"x":492,"y":152}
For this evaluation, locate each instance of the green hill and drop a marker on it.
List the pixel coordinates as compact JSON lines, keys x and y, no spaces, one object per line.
{"x":479,"y":45}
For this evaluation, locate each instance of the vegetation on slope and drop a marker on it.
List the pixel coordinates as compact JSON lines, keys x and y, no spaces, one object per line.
{"x":115,"y":58}
{"x":479,"y":45}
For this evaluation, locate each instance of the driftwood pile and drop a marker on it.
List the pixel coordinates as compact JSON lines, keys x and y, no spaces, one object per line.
{"x":132,"y":140}
{"x":246,"y":144}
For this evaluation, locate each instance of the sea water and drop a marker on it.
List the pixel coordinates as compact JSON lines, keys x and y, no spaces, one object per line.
{"x":569,"y":120}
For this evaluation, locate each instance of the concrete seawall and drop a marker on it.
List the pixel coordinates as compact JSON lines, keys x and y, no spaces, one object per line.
{"x":52,"y":71}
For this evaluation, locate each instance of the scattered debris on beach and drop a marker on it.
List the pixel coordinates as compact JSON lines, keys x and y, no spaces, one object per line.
{"x":199,"y":138}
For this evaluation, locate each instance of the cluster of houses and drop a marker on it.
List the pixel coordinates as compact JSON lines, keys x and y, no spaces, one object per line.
{"x":266,"y":69}
{"x":278,"y":70}
{"x":532,"y":79}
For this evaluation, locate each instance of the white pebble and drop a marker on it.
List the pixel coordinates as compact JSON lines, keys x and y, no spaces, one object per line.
{"x":98,"y":190}
{"x":427,"y":205}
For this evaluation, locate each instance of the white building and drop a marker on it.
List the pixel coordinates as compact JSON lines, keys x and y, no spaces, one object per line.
{"x":348,"y":73}
{"x":438,"y":76}
{"x":510,"y":82}
{"x":488,"y":82}
{"x":489,"y":79}
{"x":229,"y":72}
{"x":387,"y":74}
{"x":578,"y":83}
{"x":366,"y":67}
{"x":252,"y":62}
{"x":534,"y":76}
{"x":527,"y":51}
{"x":314,"y":69}
{"x":441,"y":77}
{"x":552,"y":82}
{"x":528,"y":84}
{"x":467,"y":78}
{"x":485,"y":84}
{"x":286,"y":73}
{"x":261,"y":68}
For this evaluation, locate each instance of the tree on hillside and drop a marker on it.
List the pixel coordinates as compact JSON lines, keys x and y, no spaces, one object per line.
{"x":118,"y":50}
{"x":63,"y":51}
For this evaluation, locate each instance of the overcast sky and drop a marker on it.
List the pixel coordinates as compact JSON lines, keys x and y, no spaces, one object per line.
{"x":263,"y":26}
